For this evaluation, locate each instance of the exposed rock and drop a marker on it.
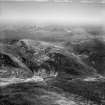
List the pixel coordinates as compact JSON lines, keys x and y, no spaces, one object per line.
{"x":51,"y":57}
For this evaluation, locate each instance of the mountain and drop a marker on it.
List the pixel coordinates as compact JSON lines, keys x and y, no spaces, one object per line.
{"x":69,"y":73}
{"x":51,"y":56}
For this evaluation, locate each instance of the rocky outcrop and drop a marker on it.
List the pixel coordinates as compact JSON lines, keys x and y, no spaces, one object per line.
{"x":45,"y":59}
{"x":51,"y":58}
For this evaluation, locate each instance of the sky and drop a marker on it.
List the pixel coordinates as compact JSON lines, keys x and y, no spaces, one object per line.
{"x":47,"y":12}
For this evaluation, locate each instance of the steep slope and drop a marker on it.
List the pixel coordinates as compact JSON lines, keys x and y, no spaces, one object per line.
{"x":94,"y":53}
{"x":51,"y":58}
{"x":10,"y":65}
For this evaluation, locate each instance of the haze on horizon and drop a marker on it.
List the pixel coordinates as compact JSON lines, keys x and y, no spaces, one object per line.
{"x":51,"y":12}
